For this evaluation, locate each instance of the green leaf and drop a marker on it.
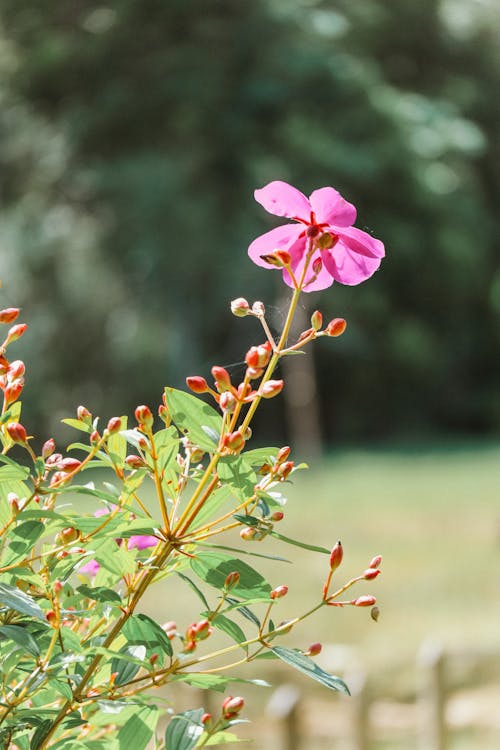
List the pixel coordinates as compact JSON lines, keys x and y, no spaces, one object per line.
{"x":40,"y":733}
{"x":141,"y":629}
{"x":13,"y":472}
{"x":308,"y":667}
{"x":214,"y":504}
{"x":125,"y":663}
{"x":311,"y":547}
{"x":22,"y":540}
{"x":100,"y":594}
{"x":82,"y":426}
{"x":232,"y":629}
{"x":61,"y":687}
{"x":214,"y":567}
{"x":115,"y":559}
{"x":22,"y":637}
{"x":194,"y":418}
{"x":138,"y":729}
{"x":260,"y":456}
{"x":184,"y":730}
{"x":238,"y":474}
{"x":243,"y":610}
{"x":195,"y":588}
{"x":19,"y":601}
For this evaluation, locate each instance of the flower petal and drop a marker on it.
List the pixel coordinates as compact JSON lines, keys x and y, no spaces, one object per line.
{"x":347,"y":266}
{"x":91,"y":568}
{"x":361,"y":242}
{"x":281,"y":199}
{"x":330,"y":207}
{"x":281,"y":237}
{"x":142,"y":541}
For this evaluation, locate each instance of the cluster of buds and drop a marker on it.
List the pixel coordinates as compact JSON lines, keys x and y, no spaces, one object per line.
{"x":197,"y":631}
{"x":231,"y":707}
{"x":280,"y":469}
{"x":241,"y":308}
{"x":335,"y":327}
{"x":11,"y":380}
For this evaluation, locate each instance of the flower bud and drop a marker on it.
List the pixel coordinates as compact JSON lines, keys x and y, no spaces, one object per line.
{"x":203,"y":629}
{"x":336,"y":556}
{"x":9,"y":315}
{"x":227,"y":402}
{"x":164,"y":415}
{"x":231,"y":707}
{"x":232,"y":580}
{"x":248,"y":533}
{"x":258,"y":309}
{"x":114,"y":425}
{"x":69,"y":464}
{"x":271,"y":388}
{"x":284,"y":469}
{"x":258,"y":356}
{"x":144,"y":416}
{"x":327,"y":241}
{"x":134,"y":462}
{"x":206,"y":719}
{"x":84,"y":415}
{"x":240,"y":307}
{"x":278,"y":259}
{"x":197,"y":384}
{"x":51,"y":617}
{"x":376,"y":561}
{"x":314,"y":649}
{"x":13,"y":391}
{"x":17,"y":433}
{"x":277,"y":516}
{"x":364,"y":601}
{"x":317,"y":265}
{"x":316,"y":320}
{"x":371,"y":573}
{"x":16,"y":369}
{"x":58,"y":587}
{"x":336,"y":327}
{"x":48,"y":448}
{"x":15,"y":333}
{"x":170,"y":629}
{"x":279,"y":592}
{"x":153,"y":659}
{"x":94,"y":436}
{"x":234,"y":441}
{"x":222,"y":379}
{"x":67,"y":535}
{"x":283,"y":454}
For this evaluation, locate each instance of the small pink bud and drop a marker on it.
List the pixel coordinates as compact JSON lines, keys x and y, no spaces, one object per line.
{"x":13,"y":391}
{"x":376,"y":561}
{"x":153,"y":659}
{"x":231,"y":707}
{"x":371,"y":573}
{"x":164,"y":415}
{"x":58,"y":587}
{"x":278,"y":515}
{"x":48,"y":448}
{"x":247,"y":533}
{"x":206,"y":719}
{"x":170,"y":629}
{"x":144,"y":416}
{"x":17,"y":433}
{"x":189,"y":646}
{"x":284,"y":469}
{"x":15,"y":333}
{"x":257,"y":357}
{"x":279,"y":592}
{"x":232,"y":580}
{"x":364,"y":601}
{"x":94,"y":437}
{"x":336,"y":556}
{"x":202,"y":630}
{"x":316,"y":320}
{"x":51,"y":617}
{"x":16,"y":369}
{"x":9,"y":315}
{"x":258,"y":308}
{"x":134,"y":462}
{"x":68,"y":535}
{"x":317,"y":265}
{"x":197,"y":384}
{"x":222,"y":379}
{"x":336,"y":327}
{"x":271,"y":388}
{"x":314,"y":649}
{"x":84,"y":415}
{"x":227,"y":402}
{"x":114,"y":425}
{"x":69,"y":465}
{"x":283,"y":454}
{"x":240,"y":307}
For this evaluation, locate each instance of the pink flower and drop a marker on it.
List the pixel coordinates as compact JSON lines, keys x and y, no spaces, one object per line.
{"x":91,"y":568}
{"x":142,"y":542}
{"x":324,"y":222}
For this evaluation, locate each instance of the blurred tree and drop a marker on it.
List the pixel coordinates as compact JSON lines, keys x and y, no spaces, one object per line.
{"x":134,"y":133}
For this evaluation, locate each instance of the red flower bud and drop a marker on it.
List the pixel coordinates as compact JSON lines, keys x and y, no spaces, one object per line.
{"x":134,"y":462}
{"x":17,"y":433}
{"x":317,"y":265}
{"x":336,"y":556}
{"x":58,"y":587}
{"x":153,"y":659}
{"x":231,"y":707}
{"x":232,"y":580}
{"x":258,"y":356}
{"x":144,"y":416}
{"x":202,"y":630}
{"x":234,"y":441}
{"x":114,"y":425}
{"x":240,"y":307}
{"x":13,"y":391}
{"x":371,"y":573}
{"x":247,"y":533}
{"x":336,"y":327}
{"x":9,"y":315}
{"x":16,"y":369}
{"x":222,"y":379}
{"x":271,"y":388}
{"x":15,"y":333}
{"x":314,"y":649}
{"x":170,"y":629}
{"x":164,"y":415}
{"x":84,"y":415}
{"x":51,"y":617}
{"x":206,"y":719}
{"x":284,"y":469}
{"x":376,"y":561}
{"x":69,"y":464}
{"x":48,"y":448}
{"x":278,"y":515}
{"x":283,"y":454}
{"x":94,"y":437}
{"x":364,"y":601}
{"x":197,"y":384}
{"x":227,"y":402}
{"x":279,"y":592}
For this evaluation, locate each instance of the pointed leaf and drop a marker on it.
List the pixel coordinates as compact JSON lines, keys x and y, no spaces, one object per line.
{"x":308,"y":667}
{"x":19,"y":601}
{"x":184,"y":730}
{"x":22,"y":637}
{"x":192,"y":417}
{"x":214,"y":567}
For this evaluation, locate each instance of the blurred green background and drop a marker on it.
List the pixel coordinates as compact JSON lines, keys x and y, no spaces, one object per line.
{"x":132,"y":137}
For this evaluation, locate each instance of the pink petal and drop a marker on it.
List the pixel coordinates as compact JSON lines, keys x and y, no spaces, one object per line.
{"x":324,"y":278}
{"x":361,"y":242}
{"x":330,"y":207}
{"x":281,"y":199}
{"x":142,"y":542}
{"x":281,"y":237}
{"x":91,"y":568}
{"x":347,"y":266}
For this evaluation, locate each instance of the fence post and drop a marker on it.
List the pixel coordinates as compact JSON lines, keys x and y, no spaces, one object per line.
{"x":359,"y":708}
{"x":432,"y":697}
{"x":284,"y":706}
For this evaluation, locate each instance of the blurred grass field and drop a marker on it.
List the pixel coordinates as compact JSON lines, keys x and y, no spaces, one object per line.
{"x":434,"y":515}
